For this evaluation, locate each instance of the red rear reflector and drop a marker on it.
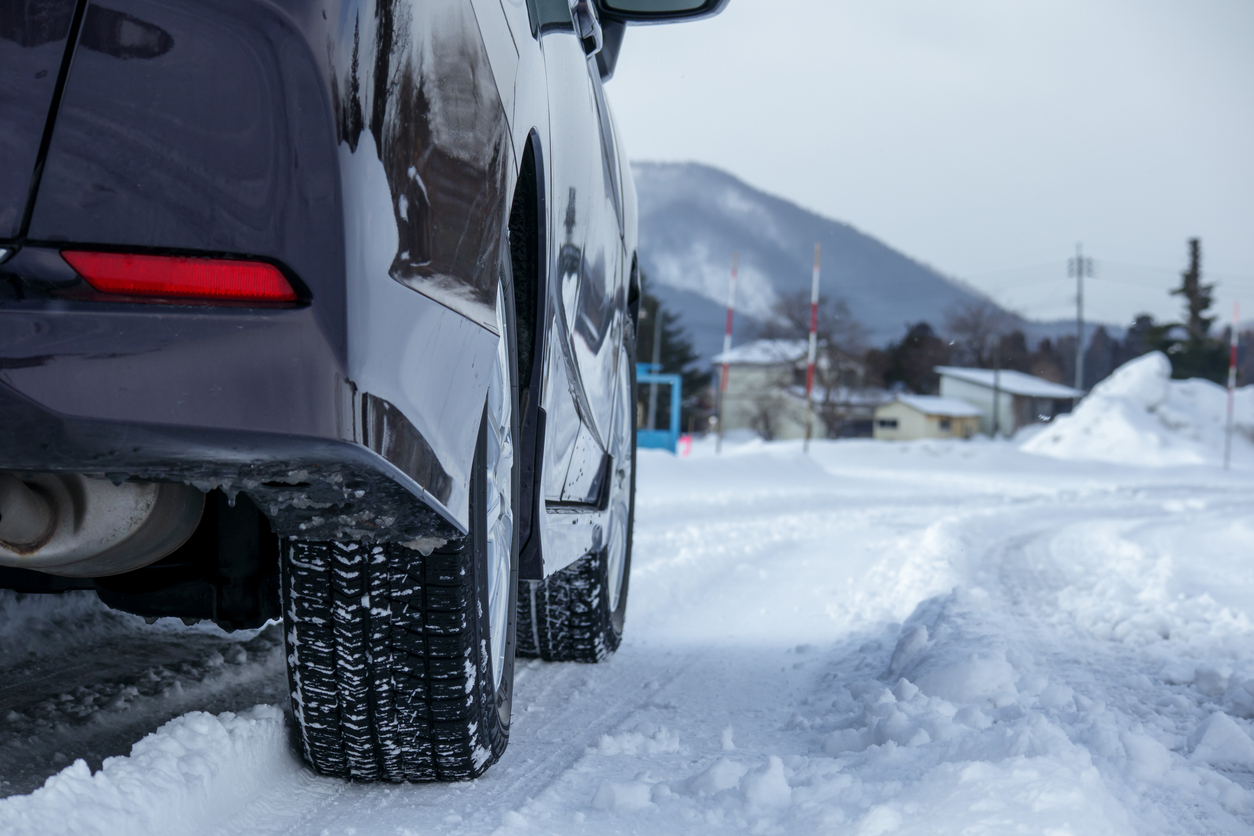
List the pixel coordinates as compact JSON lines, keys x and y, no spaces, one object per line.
{"x":180,"y":276}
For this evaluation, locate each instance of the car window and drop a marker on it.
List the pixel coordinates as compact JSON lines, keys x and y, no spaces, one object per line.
{"x":549,"y":14}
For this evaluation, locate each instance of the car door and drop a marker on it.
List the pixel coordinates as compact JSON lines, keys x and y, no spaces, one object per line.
{"x":587,"y":271}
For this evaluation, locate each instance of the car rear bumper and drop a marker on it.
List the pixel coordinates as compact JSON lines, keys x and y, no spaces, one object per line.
{"x":234,"y":130}
{"x":241,"y":399}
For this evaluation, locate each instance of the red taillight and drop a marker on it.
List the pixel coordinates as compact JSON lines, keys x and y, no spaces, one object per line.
{"x":182,"y":277}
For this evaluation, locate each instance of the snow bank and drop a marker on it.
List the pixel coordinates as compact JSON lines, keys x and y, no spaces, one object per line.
{"x":194,"y":771}
{"x":1140,"y":416}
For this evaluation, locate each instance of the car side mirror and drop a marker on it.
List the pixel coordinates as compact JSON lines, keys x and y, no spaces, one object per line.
{"x":587,"y":27}
{"x":658,"y":11}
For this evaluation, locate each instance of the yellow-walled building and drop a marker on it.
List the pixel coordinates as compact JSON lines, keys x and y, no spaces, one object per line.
{"x":925,"y":416}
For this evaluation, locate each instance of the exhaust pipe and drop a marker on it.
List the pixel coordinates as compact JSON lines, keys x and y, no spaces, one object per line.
{"x":26,"y":518}
{"x":74,"y":526}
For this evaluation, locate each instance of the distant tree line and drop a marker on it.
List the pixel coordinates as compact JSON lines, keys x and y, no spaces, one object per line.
{"x":981,"y":335}
{"x":974,"y":334}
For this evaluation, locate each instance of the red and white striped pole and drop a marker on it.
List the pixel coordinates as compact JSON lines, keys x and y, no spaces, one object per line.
{"x":727,"y":339}
{"x":814,"y":327}
{"x":1232,"y":380}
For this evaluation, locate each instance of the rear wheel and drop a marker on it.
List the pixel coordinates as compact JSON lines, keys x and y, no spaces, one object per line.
{"x":401,"y":664}
{"x":577,"y":614}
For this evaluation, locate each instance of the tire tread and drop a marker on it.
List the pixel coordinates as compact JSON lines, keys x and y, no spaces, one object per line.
{"x":386,"y":683}
{"x":565,"y":617}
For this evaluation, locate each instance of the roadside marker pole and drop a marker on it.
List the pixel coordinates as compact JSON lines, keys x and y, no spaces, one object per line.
{"x":727,"y":335}
{"x":1232,"y":380}
{"x":814,"y":325}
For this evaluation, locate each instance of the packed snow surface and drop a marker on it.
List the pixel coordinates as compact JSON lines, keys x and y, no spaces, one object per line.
{"x":875,"y":638}
{"x":1139,"y":415}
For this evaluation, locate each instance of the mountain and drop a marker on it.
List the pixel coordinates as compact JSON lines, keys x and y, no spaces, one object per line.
{"x":692,"y":217}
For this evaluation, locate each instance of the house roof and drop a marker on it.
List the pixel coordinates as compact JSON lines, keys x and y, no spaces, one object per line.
{"x":764,"y":353}
{"x":932,"y":405}
{"x":1011,"y":382}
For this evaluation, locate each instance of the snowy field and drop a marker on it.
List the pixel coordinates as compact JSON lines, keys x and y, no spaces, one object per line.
{"x":1037,"y":637}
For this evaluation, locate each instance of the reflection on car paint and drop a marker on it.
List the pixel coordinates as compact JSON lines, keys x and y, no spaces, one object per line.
{"x":32,"y":45}
{"x":122,"y":36}
{"x":426,"y":94}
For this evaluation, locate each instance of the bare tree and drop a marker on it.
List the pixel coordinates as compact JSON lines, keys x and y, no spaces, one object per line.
{"x":841,"y":345}
{"x":976,"y":328}
{"x":770,"y":408}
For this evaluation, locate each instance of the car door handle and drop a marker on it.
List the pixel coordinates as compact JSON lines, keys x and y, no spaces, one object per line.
{"x":587,"y":27}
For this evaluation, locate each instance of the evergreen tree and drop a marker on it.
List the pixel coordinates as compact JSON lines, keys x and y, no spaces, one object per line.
{"x":1099,"y":357}
{"x":677,"y":355}
{"x":1046,"y":364}
{"x":1197,"y":354}
{"x":1143,"y":337}
{"x":1245,"y":358}
{"x":1198,"y":297}
{"x":910,"y":363}
{"x":1014,"y":354}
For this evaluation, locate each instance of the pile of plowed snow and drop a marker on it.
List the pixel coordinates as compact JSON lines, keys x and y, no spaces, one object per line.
{"x":1139,"y":415}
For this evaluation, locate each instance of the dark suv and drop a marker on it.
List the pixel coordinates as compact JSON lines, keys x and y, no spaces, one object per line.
{"x":325,"y":311}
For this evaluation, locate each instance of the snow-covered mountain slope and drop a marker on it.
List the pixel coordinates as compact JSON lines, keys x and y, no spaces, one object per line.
{"x":692,"y":217}
{"x":876,"y":638}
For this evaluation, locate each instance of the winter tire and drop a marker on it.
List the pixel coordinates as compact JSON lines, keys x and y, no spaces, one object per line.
{"x":577,"y":614}
{"x":401,"y":664}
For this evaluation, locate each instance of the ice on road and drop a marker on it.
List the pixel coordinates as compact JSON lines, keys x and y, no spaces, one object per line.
{"x":927,"y":637}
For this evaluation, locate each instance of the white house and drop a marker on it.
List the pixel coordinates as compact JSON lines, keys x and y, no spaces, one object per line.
{"x":1021,"y":398}
{"x":909,"y":417}
{"x":766,"y":392}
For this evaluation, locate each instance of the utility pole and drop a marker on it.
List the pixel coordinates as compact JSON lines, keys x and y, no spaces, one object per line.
{"x":814,"y":326}
{"x":657,"y":362}
{"x":1079,"y":267}
{"x":727,"y":339}
{"x":996,"y":386}
{"x":1232,"y":380}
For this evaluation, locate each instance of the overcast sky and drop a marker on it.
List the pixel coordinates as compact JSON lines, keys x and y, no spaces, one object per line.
{"x":983,"y":137}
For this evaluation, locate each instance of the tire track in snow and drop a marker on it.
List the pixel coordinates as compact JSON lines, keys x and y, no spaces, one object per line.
{"x":93,"y":700}
{"x":1119,"y":665}
{"x":561,"y":711}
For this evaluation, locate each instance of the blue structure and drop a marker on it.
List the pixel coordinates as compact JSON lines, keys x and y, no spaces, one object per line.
{"x":661,"y":439}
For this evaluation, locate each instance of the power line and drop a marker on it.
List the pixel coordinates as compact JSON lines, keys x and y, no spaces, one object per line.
{"x":1034,"y":282}
{"x":1019,"y":269}
{"x":1175,"y":271}
{"x":1169,"y":276}
{"x":1100,"y":263}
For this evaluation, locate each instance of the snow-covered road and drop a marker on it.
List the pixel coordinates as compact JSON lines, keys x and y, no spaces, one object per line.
{"x":934,"y":637}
